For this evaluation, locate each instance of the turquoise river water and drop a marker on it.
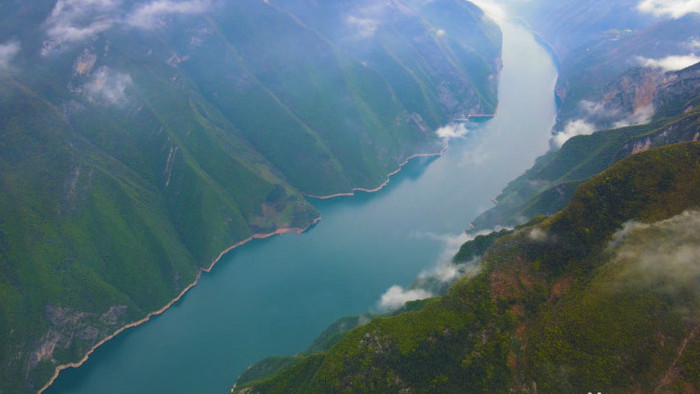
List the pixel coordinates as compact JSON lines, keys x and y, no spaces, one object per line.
{"x":273,"y":296}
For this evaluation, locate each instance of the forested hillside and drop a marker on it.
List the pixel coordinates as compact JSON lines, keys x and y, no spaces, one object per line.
{"x":139,"y":140}
{"x":601,"y":296}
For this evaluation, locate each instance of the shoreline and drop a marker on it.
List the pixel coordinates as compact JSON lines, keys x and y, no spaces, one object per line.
{"x":280,"y":231}
{"x":384,"y":184}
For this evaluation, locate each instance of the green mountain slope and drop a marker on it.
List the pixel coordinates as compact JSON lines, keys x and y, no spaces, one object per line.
{"x":548,"y":186}
{"x":138,"y":142}
{"x":586,"y":300}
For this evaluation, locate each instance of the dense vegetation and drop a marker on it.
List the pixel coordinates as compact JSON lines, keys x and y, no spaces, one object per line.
{"x":599,"y":297}
{"x":548,"y":186}
{"x":586,"y":300}
{"x":135,"y":147}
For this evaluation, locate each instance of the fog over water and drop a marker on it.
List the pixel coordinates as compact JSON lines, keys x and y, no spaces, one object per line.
{"x":272,"y":297}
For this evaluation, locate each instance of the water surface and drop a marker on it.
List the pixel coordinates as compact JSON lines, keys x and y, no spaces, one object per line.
{"x":274,"y":296}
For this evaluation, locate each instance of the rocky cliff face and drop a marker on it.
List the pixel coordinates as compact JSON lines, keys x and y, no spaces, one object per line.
{"x":679,"y":92}
{"x":665,"y":107}
{"x":611,"y":80}
{"x":637,"y":96}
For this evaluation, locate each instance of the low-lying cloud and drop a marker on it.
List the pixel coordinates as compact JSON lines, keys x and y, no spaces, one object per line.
{"x":73,"y":21}
{"x":443,"y":273}
{"x":641,"y":115}
{"x":8,"y":52}
{"x":492,"y":10}
{"x":571,"y":130}
{"x":107,"y":87}
{"x":396,"y":297}
{"x":669,"y":8}
{"x":149,"y":15}
{"x":670,"y":63}
{"x":77,"y":20}
{"x":452,"y":131}
{"x":445,"y":270}
{"x":363,"y":27}
{"x":599,"y":116}
{"x":538,"y":235}
{"x":663,"y":255}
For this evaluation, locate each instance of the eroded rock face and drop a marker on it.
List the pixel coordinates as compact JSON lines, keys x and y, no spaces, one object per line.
{"x":636,"y":97}
{"x":684,"y":130}
{"x":71,"y":328}
{"x":678,"y":92}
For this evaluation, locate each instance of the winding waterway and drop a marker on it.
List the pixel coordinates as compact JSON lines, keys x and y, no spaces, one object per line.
{"x":274,"y":296}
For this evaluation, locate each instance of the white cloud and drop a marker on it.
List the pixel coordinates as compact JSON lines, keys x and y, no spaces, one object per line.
{"x":364,"y":27}
{"x":640,"y":116}
{"x":596,"y":109}
{"x":107,"y":87}
{"x":73,"y":21}
{"x":538,"y":235}
{"x":445,"y":270}
{"x":572,"y":129}
{"x":494,"y":11}
{"x":148,"y":16}
{"x":451,"y":131}
{"x":396,"y":297}
{"x":8,"y":51}
{"x":77,"y":20}
{"x":663,"y":256}
{"x":693,"y":44}
{"x":670,"y":63}
{"x":672,"y":8}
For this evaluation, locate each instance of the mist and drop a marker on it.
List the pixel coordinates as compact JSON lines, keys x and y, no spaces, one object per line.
{"x":599,"y":116}
{"x":670,"y":63}
{"x":435,"y":280}
{"x":107,"y":87}
{"x":571,"y":130}
{"x":452,"y":131}
{"x":8,"y":51}
{"x":664,"y":255}
{"x":74,"y":21}
{"x":669,"y":8}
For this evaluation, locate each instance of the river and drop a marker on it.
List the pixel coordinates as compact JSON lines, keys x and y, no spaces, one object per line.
{"x":273,"y":296}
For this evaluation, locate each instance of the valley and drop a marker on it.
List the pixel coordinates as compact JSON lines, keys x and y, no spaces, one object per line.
{"x":192,"y":186}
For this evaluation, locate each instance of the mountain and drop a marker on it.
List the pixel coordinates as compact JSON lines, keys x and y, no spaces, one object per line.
{"x":568,"y":24}
{"x":592,"y":72}
{"x":623,"y":85}
{"x":595,"y":287}
{"x":547,"y":187}
{"x":608,"y":48}
{"x":600,"y":296}
{"x":140,"y":139}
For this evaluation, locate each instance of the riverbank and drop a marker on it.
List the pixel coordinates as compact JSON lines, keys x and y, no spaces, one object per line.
{"x":384,"y":184}
{"x":274,"y":298}
{"x":280,"y":231}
